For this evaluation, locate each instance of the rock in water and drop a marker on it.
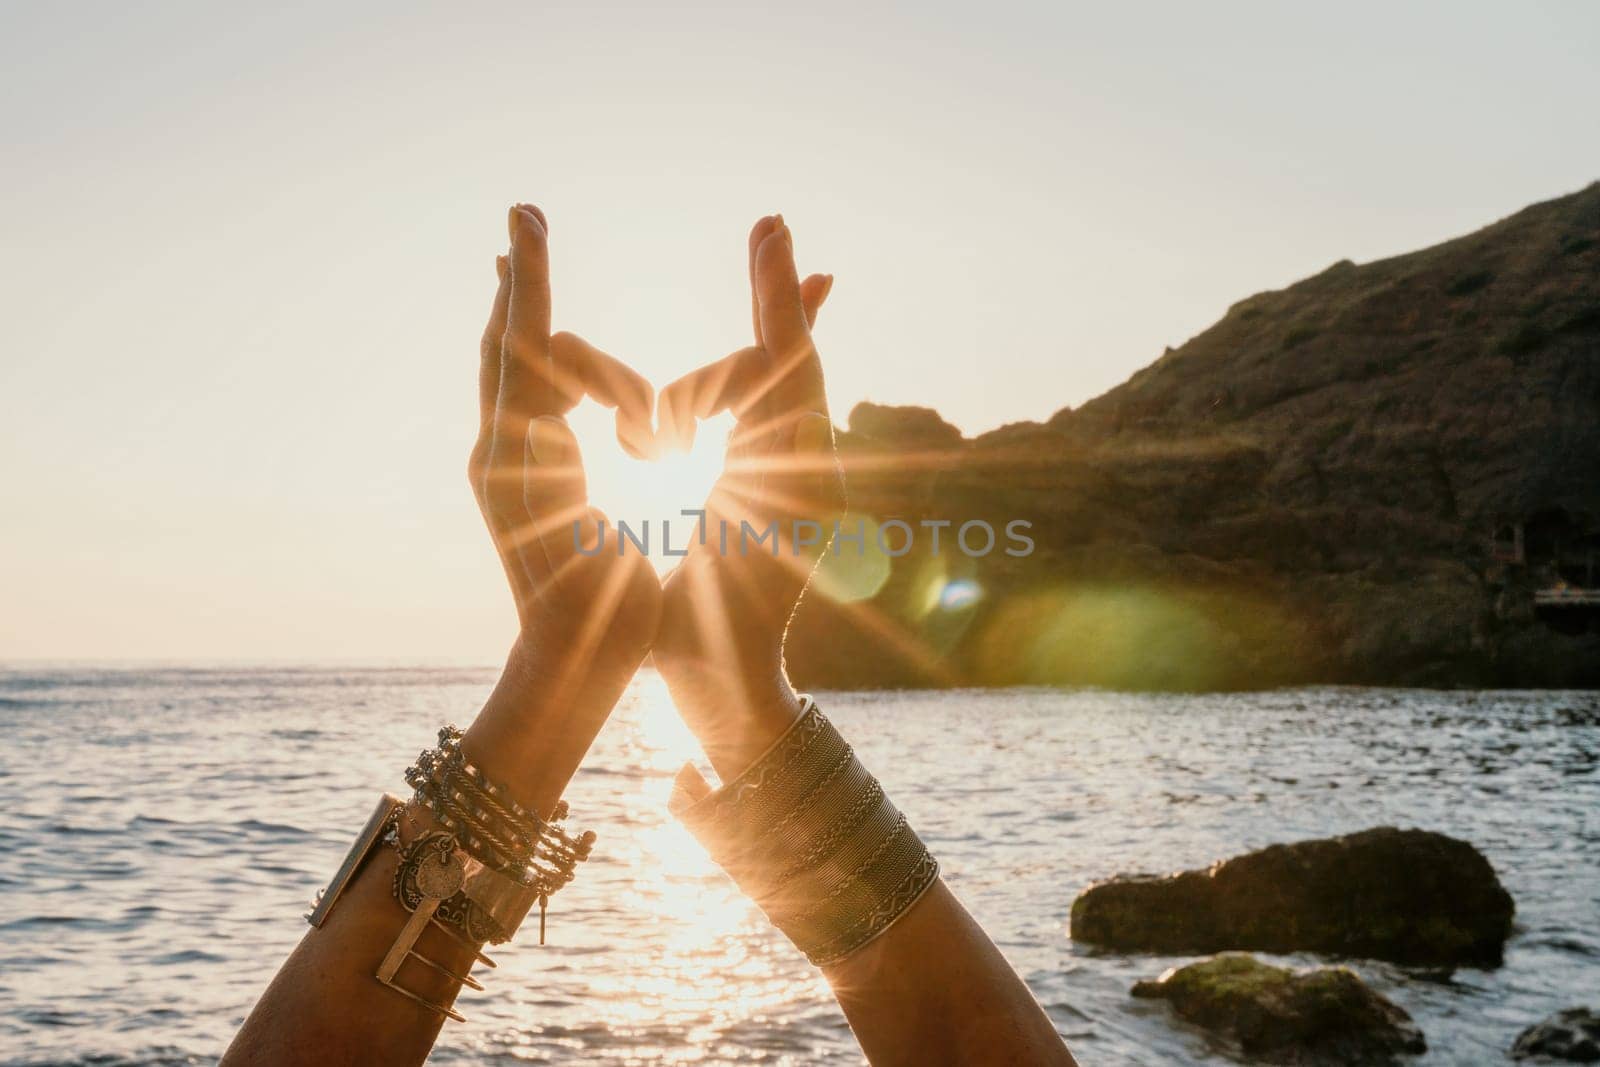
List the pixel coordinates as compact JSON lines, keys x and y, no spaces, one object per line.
{"x":1408,"y":896}
{"x":1572,"y":1035}
{"x":1325,"y":1016}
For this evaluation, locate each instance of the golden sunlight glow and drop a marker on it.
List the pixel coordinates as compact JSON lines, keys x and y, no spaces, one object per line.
{"x":634,"y":491}
{"x":710,"y":962}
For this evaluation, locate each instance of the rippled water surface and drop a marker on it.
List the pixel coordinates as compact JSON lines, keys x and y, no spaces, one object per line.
{"x":163,"y":830}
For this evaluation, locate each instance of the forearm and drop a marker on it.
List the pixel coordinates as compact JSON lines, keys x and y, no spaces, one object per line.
{"x":933,"y":989}
{"x":325,"y":1005}
{"x":490,"y":852}
{"x":918,"y":979}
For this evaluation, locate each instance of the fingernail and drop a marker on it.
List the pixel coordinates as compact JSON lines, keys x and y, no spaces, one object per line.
{"x":777,"y":221}
{"x":523,"y":215}
{"x":827,"y":286}
{"x":501,"y":265}
{"x":547,"y":441}
{"x":813,"y":434}
{"x":779,"y":235}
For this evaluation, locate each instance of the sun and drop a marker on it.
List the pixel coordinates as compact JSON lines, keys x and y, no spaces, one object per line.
{"x":649,"y":496}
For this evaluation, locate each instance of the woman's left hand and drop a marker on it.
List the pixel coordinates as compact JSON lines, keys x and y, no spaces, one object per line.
{"x":586,"y":621}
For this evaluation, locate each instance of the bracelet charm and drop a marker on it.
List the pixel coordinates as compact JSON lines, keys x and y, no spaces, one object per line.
{"x":474,"y":878}
{"x":438,"y":871}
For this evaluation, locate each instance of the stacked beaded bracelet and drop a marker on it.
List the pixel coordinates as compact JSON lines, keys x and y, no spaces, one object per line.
{"x":808,"y":833}
{"x":492,"y":827}
{"x":479,"y":874}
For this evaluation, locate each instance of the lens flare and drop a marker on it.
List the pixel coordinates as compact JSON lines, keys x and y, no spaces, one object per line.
{"x":959,"y":594}
{"x":1133,"y":635}
{"x":855,"y":567}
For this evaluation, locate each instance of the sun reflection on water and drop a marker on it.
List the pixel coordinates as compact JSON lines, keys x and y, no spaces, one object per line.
{"x":707,"y":960}
{"x":147,"y":785}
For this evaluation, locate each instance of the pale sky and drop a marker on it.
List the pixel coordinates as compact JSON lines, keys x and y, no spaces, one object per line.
{"x":247,"y":251}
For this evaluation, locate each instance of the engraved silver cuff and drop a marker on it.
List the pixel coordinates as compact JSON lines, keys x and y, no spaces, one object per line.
{"x":808,"y":833}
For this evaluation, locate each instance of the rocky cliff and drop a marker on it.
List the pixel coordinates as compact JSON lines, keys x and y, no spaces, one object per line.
{"x":1365,"y":477}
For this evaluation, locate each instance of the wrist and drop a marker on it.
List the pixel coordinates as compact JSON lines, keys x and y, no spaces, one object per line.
{"x":751,"y":730}
{"x":735,"y":719}
{"x":808,"y":833}
{"x":534,"y":777}
{"x":535,"y":729}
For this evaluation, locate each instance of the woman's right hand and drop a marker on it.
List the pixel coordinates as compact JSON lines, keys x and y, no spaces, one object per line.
{"x":725,"y":608}
{"x":932,"y":989}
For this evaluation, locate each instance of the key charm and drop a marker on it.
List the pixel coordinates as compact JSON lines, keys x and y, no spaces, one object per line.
{"x":438,"y":870}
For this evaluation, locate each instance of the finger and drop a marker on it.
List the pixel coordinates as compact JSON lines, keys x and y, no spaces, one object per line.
{"x":736,"y":382}
{"x":615,"y":385}
{"x":489,"y":379}
{"x":554,"y":495}
{"x":529,"y":378}
{"x":758,"y":233}
{"x":530,"y":272}
{"x":489,"y":348}
{"x":813,"y":293}
{"x":501,"y":516}
{"x":731,"y":383}
{"x":777,"y":292}
{"x":524,"y":389}
{"x":522,"y":346}
{"x":798,"y":386}
{"x":799,"y":470}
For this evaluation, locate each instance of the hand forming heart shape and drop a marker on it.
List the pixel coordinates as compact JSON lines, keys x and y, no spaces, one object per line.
{"x":716,"y":624}
{"x":658,"y":505}
{"x":716,"y":627}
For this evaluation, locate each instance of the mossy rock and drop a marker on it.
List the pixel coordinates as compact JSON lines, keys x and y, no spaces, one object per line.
{"x":1572,"y":1035}
{"x":1320,"y":1017}
{"x":1408,"y":896}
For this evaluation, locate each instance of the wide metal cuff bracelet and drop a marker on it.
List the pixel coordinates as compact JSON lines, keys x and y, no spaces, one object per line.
{"x":807,"y":832}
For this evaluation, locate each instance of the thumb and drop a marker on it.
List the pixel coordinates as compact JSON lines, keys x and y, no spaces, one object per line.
{"x":813,"y":292}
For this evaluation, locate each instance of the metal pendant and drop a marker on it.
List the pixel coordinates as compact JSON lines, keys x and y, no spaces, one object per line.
{"x":436,"y":867}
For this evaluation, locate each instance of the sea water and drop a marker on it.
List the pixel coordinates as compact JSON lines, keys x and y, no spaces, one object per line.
{"x":162,"y":832}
